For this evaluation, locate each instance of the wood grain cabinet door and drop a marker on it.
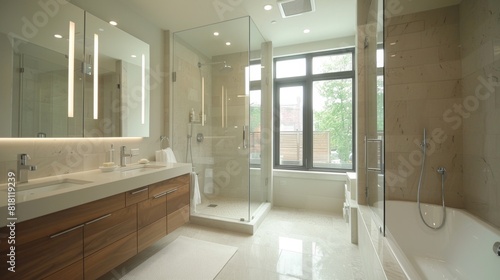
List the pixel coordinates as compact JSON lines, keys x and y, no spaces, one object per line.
{"x":178,"y":200}
{"x":103,"y":231}
{"x":47,"y":255}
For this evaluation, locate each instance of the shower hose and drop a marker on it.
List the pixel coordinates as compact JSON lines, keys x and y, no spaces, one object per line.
{"x":441,"y":171}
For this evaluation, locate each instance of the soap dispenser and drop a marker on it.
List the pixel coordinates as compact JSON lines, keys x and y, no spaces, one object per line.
{"x":111,"y":154}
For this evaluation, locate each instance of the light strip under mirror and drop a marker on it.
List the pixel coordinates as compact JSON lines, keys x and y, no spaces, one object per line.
{"x":71,"y":69}
{"x":96,"y":76}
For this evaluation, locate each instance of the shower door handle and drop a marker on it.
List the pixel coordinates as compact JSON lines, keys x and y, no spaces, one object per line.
{"x":381,"y":158}
{"x":245,"y":145}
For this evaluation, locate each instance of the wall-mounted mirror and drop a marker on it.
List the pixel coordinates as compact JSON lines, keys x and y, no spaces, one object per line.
{"x":66,"y":73}
{"x":116,"y":75}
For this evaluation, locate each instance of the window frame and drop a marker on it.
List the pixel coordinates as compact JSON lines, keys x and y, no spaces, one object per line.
{"x":307,"y":117}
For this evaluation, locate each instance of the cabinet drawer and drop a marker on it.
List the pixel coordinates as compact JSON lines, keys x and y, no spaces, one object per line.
{"x":177,"y":219}
{"x":109,"y":257}
{"x":177,"y":198}
{"x":71,"y":272}
{"x":151,"y":210}
{"x":169,"y":184}
{"x":59,"y":221}
{"x":109,"y":228}
{"x":45,"y":256}
{"x":136,"y":196}
{"x":149,"y":234}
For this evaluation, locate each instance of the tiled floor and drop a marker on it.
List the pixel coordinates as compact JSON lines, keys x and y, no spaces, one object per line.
{"x":290,"y":244}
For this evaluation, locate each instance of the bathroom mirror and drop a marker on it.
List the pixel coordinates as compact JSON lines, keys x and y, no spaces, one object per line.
{"x":116,"y":84}
{"x":66,"y":73}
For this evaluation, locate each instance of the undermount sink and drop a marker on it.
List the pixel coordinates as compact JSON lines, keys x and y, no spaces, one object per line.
{"x":36,"y":188}
{"x":139,"y":168}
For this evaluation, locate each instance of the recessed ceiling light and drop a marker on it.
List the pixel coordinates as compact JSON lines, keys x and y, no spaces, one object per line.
{"x":58,"y":36}
{"x":114,"y":23}
{"x":228,"y":43}
{"x":133,"y":56}
{"x":216,"y":33}
{"x":268,"y":7}
{"x":307,"y":31}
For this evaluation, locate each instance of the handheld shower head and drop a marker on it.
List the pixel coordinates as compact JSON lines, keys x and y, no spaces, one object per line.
{"x":424,"y":140}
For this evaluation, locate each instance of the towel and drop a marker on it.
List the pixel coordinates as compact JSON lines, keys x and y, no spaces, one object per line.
{"x":170,"y":156}
{"x":196,"y":189}
{"x":161,"y":156}
{"x":165,"y":156}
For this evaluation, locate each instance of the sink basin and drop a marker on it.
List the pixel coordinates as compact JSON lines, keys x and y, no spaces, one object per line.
{"x":134,"y":169}
{"x":32,"y":189}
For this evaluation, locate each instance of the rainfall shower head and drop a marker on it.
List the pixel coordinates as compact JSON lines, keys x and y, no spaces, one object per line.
{"x":225,"y":67}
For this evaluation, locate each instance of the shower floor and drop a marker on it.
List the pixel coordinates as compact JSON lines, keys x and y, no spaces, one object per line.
{"x":225,"y":207}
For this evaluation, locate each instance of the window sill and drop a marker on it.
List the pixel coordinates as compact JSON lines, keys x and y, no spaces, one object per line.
{"x":337,"y":176}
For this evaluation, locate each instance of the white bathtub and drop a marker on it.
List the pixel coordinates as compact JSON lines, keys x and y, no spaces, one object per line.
{"x":462,"y":249}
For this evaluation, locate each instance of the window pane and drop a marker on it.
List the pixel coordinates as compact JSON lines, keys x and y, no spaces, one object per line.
{"x":333,"y":124}
{"x":332,"y":63}
{"x":255,"y":72}
{"x":255,"y":126}
{"x":291,"y":100}
{"x":380,"y":58}
{"x":291,"y":68}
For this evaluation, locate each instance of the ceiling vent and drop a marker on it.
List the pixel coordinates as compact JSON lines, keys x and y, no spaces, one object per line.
{"x":290,"y":8}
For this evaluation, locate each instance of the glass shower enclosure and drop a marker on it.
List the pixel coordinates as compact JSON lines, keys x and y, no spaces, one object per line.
{"x":216,"y":116}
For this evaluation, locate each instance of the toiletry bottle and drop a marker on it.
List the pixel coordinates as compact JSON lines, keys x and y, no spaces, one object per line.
{"x":111,"y":154}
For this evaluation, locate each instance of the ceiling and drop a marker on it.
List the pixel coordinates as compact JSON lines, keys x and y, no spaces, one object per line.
{"x":331,"y":18}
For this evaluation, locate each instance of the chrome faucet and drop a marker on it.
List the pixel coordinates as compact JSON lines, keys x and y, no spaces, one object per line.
{"x":23,"y":168}
{"x":123,"y":156}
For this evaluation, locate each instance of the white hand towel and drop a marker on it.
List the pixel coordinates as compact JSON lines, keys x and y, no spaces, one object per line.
{"x":196,"y":189}
{"x":170,"y":155}
{"x":161,"y":156}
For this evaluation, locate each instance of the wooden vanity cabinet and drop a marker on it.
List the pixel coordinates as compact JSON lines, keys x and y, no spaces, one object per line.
{"x":89,"y":240}
{"x":51,"y":243}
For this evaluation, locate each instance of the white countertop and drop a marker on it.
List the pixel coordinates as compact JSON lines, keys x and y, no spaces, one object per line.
{"x":100,"y":185}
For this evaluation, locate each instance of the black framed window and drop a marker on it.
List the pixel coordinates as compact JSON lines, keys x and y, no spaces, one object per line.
{"x":314,"y":111}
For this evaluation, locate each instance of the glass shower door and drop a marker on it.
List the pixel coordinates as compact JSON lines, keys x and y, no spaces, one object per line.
{"x":374,"y":139}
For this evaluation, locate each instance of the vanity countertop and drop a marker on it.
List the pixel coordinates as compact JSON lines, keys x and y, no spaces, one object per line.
{"x":83,"y":187}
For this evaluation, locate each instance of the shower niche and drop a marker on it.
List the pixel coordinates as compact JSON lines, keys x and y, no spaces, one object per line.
{"x":218,"y":93}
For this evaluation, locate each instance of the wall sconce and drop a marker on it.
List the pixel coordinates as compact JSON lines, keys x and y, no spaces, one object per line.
{"x":202,"y":101}
{"x":96,"y":76}
{"x":143,"y":89}
{"x":71,"y":69}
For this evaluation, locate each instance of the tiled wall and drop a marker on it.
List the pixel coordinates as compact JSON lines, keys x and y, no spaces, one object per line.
{"x":423,"y":86}
{"x":480,"y":41}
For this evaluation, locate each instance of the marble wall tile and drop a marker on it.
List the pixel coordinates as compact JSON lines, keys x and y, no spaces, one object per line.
{"x":423,"y":82}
